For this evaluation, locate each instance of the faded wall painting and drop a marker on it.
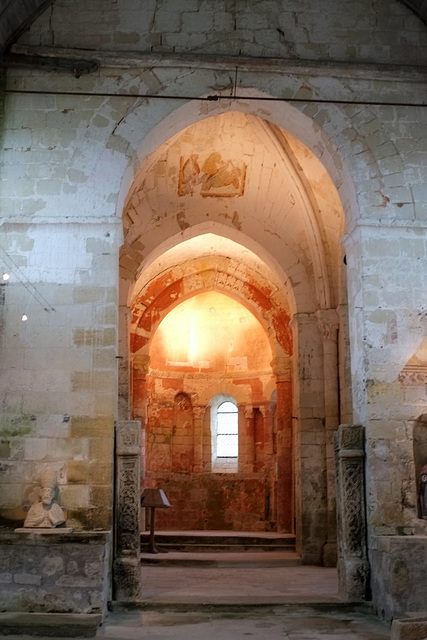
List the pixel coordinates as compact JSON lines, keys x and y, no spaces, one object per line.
{"x":212,"y":176}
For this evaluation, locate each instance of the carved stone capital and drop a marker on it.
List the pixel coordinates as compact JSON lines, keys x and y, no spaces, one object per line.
{"x":328,"y":324}
{"x":282,"y":368}
{"x":199,"y":412}
{"x":128,"y":437}
{"x":141,"y":363}
{"x":263,"y":409}
{"x":301,"y":320}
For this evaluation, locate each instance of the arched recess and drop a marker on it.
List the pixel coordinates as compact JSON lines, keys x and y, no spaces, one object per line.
{"x":288,"y":211}
{"x":245,"y":373}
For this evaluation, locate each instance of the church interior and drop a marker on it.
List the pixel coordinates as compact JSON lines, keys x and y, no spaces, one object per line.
{"x":214,"y":273}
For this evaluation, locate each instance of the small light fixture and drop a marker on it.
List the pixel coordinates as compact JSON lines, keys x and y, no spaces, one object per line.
{"x":24,"y":317}
{"x":6,"y":277}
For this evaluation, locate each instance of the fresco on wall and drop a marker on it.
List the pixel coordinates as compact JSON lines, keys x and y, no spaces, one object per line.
{"x":212,"y":177}
{"x":415,"y":370}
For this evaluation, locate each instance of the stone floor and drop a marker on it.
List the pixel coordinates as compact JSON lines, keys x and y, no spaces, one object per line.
{"x":231,"y":601}
{"x":271,"y":624}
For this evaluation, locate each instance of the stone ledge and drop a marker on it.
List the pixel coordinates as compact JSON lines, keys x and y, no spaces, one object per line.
{"x":32,"y":537}
{"x":54,"y":625}
{"x":411,"y":627}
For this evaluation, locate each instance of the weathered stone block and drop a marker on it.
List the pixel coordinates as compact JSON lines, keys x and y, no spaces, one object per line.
{"x":414,"y":627}
{"x":86,"y":427}
{"x":56,"y":573}
{"x":399,"y":574}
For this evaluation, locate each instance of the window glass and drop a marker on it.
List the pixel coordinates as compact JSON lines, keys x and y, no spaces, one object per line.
{"x":227,"y":431}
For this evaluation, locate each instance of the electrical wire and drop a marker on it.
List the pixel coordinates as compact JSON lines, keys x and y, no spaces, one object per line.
{"x":29,"y":286}
{"x":215,"y":98}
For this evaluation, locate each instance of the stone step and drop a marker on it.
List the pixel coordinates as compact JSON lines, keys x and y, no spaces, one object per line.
{"x":220,"y":541}
{"x":228,"y":560}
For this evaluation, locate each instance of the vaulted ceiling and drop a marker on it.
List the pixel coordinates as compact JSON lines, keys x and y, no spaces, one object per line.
{"x":17,"y":15}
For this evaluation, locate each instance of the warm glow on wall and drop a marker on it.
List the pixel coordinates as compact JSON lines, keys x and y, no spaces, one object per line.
{"x":210,"y":332}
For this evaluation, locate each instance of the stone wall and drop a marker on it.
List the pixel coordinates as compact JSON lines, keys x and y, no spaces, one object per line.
{"x":71,"y":158}
{"x":55,"y":573}
{"x":225,"y":502}
{"x":59,"y":366}
{"x":283,"y":30}
{"x":399,"y":575}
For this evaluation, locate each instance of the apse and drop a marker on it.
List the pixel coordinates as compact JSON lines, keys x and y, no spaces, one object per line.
{"x":210,"y":333}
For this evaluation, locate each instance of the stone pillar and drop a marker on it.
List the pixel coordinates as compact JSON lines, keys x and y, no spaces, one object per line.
{"x":198,"y":415}
{"x":309,"y":438}
{"x":344,"y":373}
{"x":285,"y":500}
{"x":127,"y":570}
{"x":268,"y":432}
{"x":267,"y":451}
{"x":353,"y":566}
{"x":249,"y":440}
{"x":328,"y":324}
{"x":141,"y":364}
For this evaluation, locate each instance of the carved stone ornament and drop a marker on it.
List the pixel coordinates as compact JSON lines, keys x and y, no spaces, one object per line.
{"x":141,"y":363}
{"x":281,"y":367}
{"x":126,"y":572}
{"x":45,"y":512}
{"x":328,"y":324}
{"x":353,"y":566}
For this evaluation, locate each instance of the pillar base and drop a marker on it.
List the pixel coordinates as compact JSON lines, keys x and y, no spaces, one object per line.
{"x":353,"y":579}
{"x":127,"y":579}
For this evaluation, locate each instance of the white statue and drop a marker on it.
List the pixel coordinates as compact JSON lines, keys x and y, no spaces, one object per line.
{"x":45,"y":512}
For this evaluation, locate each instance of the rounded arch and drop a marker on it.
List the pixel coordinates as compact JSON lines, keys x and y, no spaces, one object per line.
{"x":331,"y":148}
{"x":171,"y":289}
{"x":300,"y":231}
{"x":234,"y":235}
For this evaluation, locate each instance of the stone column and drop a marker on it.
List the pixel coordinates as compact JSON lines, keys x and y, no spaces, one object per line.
{"x":140,"y":368}
{"x":141,"y":364}
{"x":268,"y":432}
{"x":126,"y":569}
{"x":328,"y":324}
{"x":198,"y":415}
{"x":267,"y":450}
{"x":285,"y":500}
{"x":353,"y":566}
{"x":310,"y":440}
{"x":248,"y":451}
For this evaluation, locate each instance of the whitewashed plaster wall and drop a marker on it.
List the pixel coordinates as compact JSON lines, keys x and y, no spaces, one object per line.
{"x":70,"y":159}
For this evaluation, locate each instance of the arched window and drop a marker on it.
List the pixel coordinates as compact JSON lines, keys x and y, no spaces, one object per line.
{"x":225,"y":435}
{"x":227,"y":431}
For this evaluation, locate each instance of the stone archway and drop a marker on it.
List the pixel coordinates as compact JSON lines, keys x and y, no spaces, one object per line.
{"x":299,"y":277}
{"x":251,"y":384}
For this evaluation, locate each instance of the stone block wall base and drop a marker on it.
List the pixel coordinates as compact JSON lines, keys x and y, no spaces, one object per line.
{"x":52,"y":625}
{"x":412,"y":628}
{"x":55,"y":574}
{"x":399,"y":576}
